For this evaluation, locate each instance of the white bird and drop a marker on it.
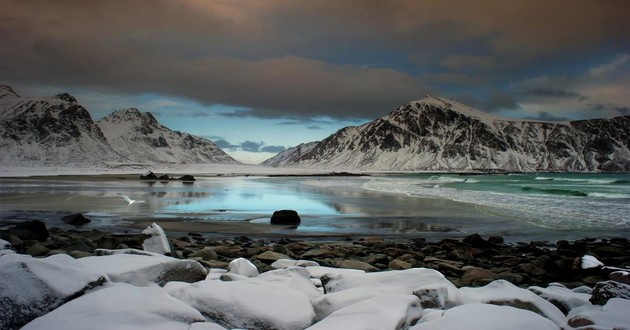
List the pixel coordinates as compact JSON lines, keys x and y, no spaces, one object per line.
{"x":129,"y":200}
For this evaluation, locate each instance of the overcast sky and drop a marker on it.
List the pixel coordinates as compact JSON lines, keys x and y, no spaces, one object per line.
{"x":260,"y":76}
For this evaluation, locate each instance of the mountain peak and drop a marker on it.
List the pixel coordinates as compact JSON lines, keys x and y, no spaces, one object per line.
{"x":66,"y":97}
{"x":7,"y":91}
{"x":431,"y":102}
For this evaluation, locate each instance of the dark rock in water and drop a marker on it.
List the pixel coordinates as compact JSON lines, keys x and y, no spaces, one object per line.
{"x":30,"y":230}
{"x":285,"y":217}
{"x":148,"y":176}
{"x":475,"y":240}
{"x":187,"y":178}
{"x":164,"y":177}
{"x":76,"y":219}
{"x":603,"y":291}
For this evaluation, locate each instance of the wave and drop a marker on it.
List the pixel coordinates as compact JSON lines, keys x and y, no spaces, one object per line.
{"x":593,"y":181}
{"x":609,"y":195}
{"x":555,"y":191}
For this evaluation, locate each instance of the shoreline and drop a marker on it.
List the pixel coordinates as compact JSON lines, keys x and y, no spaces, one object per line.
{"x":471,"y":261}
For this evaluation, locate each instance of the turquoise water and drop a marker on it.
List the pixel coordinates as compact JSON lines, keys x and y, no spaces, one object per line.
{"x":560,"y":201}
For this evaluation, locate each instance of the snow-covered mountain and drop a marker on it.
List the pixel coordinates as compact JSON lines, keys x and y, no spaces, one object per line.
{"x":438,"y":134}
{"x":49,"y":130}
{"x":140,"y":138}
{"x":58,"y":131}
{"x":285,"y":157}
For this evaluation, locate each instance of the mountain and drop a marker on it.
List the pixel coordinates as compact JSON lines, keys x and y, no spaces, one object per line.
{"x":285,"y":157}
{"x":436,"y":134}
{"x":59,"y":131}
{"x":49,"y":130}
{"x":140,"y":138}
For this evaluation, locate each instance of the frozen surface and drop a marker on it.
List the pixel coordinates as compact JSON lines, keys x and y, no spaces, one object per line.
{"x":614,"y":315}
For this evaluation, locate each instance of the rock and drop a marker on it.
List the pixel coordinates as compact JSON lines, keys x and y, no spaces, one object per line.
{"x":80,"y":254}
{"x":293,"y":277}
{"x":356,"y":264}
{"x":613,"y":315}
{"x":476,"y":241}
{"x":561,"y":297}
{"x":243,"y":267}
{"x":269,"y":257}
{"x":76,"y":219}
{"x":378,"y":312}
{"x":156,"y":241}
{"x":477,"y":316}
{"x":501,"y":292}
{"x":228,"y":251}
{"x":187,"y":178}
{"x":5,"y":245}
{"x":398,"y":264}
{"x":477,"y":276}
{"x":79,"y":245}
{"x":30,"y":230}
{"x":148,"y":176}
{"x":285,"y":217}
{"x":282,"y":263}
{"x":321,"y":252}
{"x":37,"y":250}
{"x":603,"y":291}
{"x":120,"y":306}
{"x":207,"y":253}
{"x":589,"y":261}
{"x":248,"y":304}
{"x":620,"y":276}
{"x":142,"y":268}
{"x":164,"y":177}
{"x":31,"y":287}
{"x":496,"y":240}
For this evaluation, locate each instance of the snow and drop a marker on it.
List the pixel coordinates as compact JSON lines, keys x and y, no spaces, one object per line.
{"x":381,"y":312}
{"x":156,"y":240}
{"x":293,"y":277}
{"x":282,"y":263}
{"x":613,"y":315}
{"x":251,"y":303}
{"x":144,"y":270}
{"x":120,"y":306}
{"x":561,"y":296}
{"x":501,"y":292}
{"x":589,"y":261}
{"x":477,"y":316}
{"x":242,"y":266}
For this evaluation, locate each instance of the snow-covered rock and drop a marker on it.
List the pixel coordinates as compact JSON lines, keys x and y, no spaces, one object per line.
{"x":609,"y":289}
{"x":562,"y":297}
{"x":439,"y":134}
{"x":156,"y":240}
{"x":613,"y":315}
{"x":293,"y":277}
{"x":242,"y":266}
{"x":141,"y":138}
{"x":145,"y":269}
{"x":326,"y":304}
{"x":281,"y":263}
{"x":320,"y":271}
{"x":120,"y":306}
{"x":588,"y":261}
{"x":250,"y":304}
{"x":4,"y":245}
{"x":477,"y":316}
{"x":31,"y":287}
{"x":383,"y":312}
{"x":501,"y":292}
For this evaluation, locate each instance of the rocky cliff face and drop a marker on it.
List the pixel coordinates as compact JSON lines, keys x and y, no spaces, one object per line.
{"x":49,"y":130}
{"x":140,"y":138}
{"x":59,"y":131}
{"x":438,"y":134}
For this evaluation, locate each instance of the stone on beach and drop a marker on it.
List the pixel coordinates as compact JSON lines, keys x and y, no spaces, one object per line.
{"x":121,"y":306}
{"x":76,"y":219}
{"x":156,"y":241}
{"x":142,"y":268}
{"x":30,"y":230}
{"x":478,"y":316}
{"x":561,"y":296}
{"x":282,"y":263}
{"x":613,"y":315}
{"x":251,"y":303}
{"x":385,"y":311}
{"x":31,"y":287}
{"x":243,"y":267}
{"x":285,"y":217}
{"x":293,"y":277}
{"x":606,"y":290}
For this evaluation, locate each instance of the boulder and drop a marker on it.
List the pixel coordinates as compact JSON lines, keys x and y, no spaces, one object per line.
{"x":293,"y":277}
{"x":243,"y":267}
{"x":248,"y":304}
{"x":285,"y":217}
{"x":270,"y":257}
{"x":30,"y":230}
{"x":31,"y":287}
{"x":356,"y":264}
{"x":282,"y":263}
{"x":477,"y":316}
{"x":121,"y":306}
{"x":76,"y":219}
{"x":561,"y":296}
{"x":621,"y":276}
{"x":396,"y":311}
{"x":477,"y":276}
{"x":156,"y":241}
{"x":207,"y":253}
{"x":613,"y":315}
{"x":187,"y":178}
{"x":148,"y":176}
{"x":142,"y":268}
{"x":603,"y":291}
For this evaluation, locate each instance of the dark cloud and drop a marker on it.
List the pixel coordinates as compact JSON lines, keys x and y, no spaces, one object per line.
{"x":609,"y":107}
{"x":273,"y":149}
{"x":554,"y":92}
{"x":314,"y":127}
{"x":282,"y":58}
{"x":495,"y":102}
{"x":251,"y":146}
{"x":546,"y":116}
{"x":223,"y":144}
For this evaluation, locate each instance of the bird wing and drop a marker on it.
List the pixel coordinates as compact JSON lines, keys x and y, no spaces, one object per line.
{"x":125,"y":197}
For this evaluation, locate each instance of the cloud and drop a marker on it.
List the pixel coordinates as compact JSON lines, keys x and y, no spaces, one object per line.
{"x":273,"y":149}
{"x":223,"y":144}
{"x":546,"y":116}
{"x":554,"y":93}
{"x":251,"y":146}
{"x":495,"y":102}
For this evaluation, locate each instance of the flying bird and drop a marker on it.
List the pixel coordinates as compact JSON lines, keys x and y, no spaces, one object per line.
{"x":129,"y":200}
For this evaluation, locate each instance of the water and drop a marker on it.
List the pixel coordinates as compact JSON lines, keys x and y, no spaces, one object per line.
{"x":586,"y":202}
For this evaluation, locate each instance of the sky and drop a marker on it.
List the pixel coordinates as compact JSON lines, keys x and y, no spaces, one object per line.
{"x":257,"y":77}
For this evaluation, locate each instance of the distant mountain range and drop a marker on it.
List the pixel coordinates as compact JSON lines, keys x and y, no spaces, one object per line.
{"x":437,"y":134}
{"x":57,"y":130}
